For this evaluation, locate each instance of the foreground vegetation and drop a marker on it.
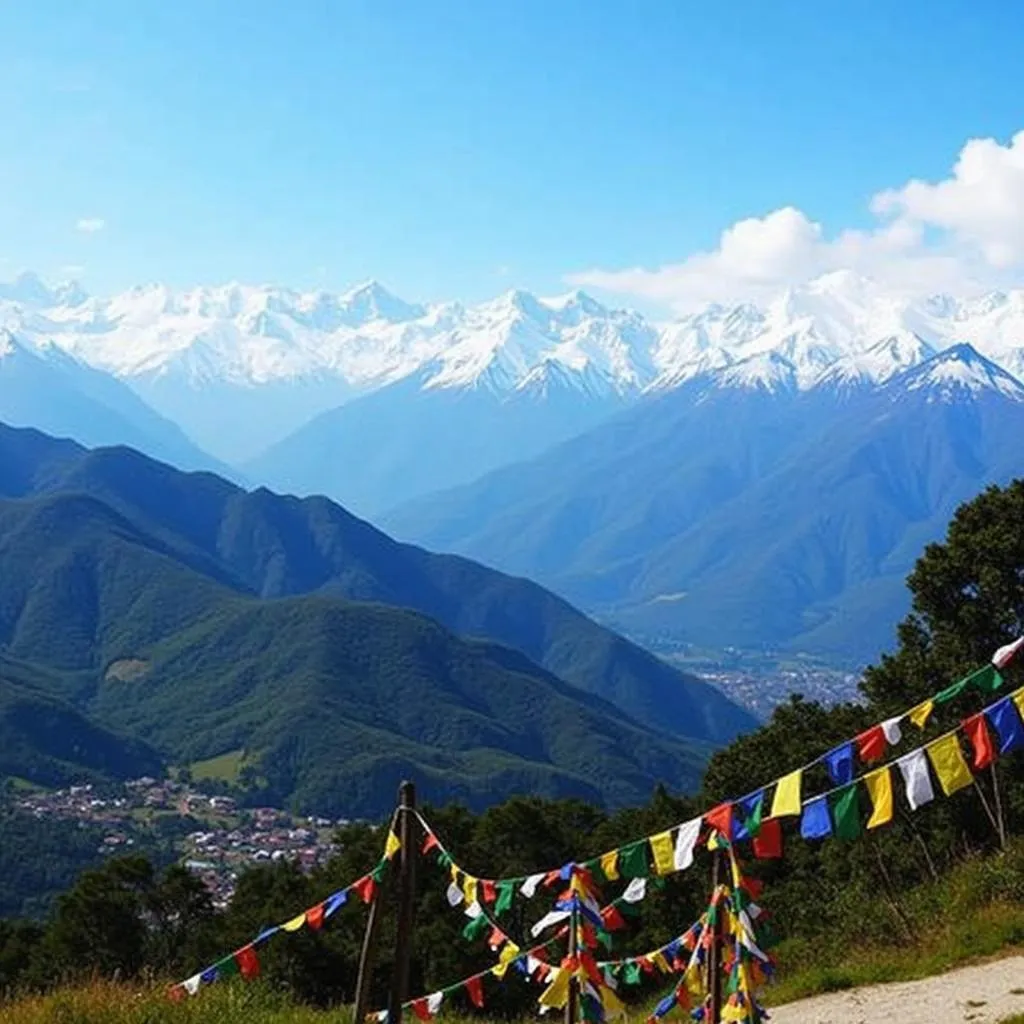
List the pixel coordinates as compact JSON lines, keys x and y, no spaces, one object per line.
{"x":931,"y":889}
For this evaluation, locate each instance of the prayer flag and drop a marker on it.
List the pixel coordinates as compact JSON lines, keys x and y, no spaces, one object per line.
{"x":434,"y":1002}
{"x":749,"y":812}
{"x":469,"y":889}
{"x":986,"y":679}
{"x":1006,"y":720}
{"x":1018,"y":698}
{"x":294,"y":924}
{"x":392,"y":846}
{"x":454,"y":894}
{"x":892,"y":730}
{"x":871,"y":744}
{"x":720,"y":819}
{"x":365,"y":888}
{"x":948,"y":761}
{"x":635,"y":891}
{"x":976,"y":730}
{"x":488,"y":893}
{"x":430,"y":843}
{"x":248,"y":963}
{"x":612,"y":918}
{"x":475,"y":990}
{"x":839,"y":762}
{"x":816,"y":823}
{"x":879,"y":787}
{"x":663,"y":852}
{"x":506,"y":891}
{"x":191,"y":986}
{"x":768,"y":841}
{"x":686,"y":840}
{"x":787,"y":796}
{"x":633,"y":860}
{"x":529,"y":887}
{"x":919,"y":715}
{"x":421,"y":1009}
{"x":315,"y":917}
{"x":914,"y":768}
{"x":335,"y":902}
{"x":847,"y":811}
{"x":610,"y":865}
{"x":1006,"y":654}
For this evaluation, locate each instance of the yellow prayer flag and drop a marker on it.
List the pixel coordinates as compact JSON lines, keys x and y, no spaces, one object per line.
{"x":1018,"y":699}
{"x":509,"y":952}
{"x":659,"y":961}
{"x":694,"y":981}
{"x":948,"y":761}
{"x":392,"y":846}
{"x":920,"y":715}
{"x":786,"y":801}
{"x":610,"y":865}
{"x":469,"y":890}
{"x":879,"y":787}
{"x":295,"y":923}
{"x":557,"y":992}
{"x":663,"y":851}
{"x":613,"y":1005}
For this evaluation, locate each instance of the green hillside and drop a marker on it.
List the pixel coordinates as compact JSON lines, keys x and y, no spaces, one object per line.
{"x":122,"y":594}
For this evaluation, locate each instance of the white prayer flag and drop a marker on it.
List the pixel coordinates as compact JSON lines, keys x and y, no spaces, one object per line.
{"x":434,"y":1002}
{"x":891,"y":728}
{"x":685,"y":843}
{"x":635,"y":891}
{"x":548,"y":920}
{"x":529,"y":887}
{"x":914,"y":767}
{"x":192,"y":985}
{"x":454,"y":895}
{"x":1006,"y":654}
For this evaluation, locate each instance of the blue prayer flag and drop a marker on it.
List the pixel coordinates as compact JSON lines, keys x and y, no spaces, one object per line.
{"x":840,"y":764}
{"x":1006,"y":721}
{"x":816,"y":822}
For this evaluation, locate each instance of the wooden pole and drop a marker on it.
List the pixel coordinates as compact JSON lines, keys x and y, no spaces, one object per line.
{"x":408,"y":836}
{"x":715,"y":957}
{"x":368,"y":955}
{"x":572,"y":1002}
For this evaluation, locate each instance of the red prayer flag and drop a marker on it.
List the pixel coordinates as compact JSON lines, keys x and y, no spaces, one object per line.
{"x":365,"y":888}
{"x":421,"y":1009}
{"x":488,"y":891}
{"x":497,"y":938}
{"x":612,"y":918}
{"x":768,"y":842}
{"x":248,"y":963}
{"x":871,"y":744}
{"x":977,"y":732}
{"x":176,"y":993}
{"x":720,"y":818}
{"x":475,"y":988}
{"x":430,"y":843}
{"x":551,"y":877}
{"x":315,"y":916}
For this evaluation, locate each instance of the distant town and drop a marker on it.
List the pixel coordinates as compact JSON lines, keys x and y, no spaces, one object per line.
{"x":228,"y":840}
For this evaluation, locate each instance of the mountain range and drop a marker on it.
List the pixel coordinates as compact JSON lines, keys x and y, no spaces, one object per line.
{"x":149,"y":615}
{"x":581,"y":445}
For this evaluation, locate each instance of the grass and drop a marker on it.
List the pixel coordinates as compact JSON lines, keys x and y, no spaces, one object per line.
{"x":224,"y":768}
{"x":993,"y":930}
{"x":110,"y":1003}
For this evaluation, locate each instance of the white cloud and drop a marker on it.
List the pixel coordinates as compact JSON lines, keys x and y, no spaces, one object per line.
{"x":963,"y":233}
{"x":90,"y":225}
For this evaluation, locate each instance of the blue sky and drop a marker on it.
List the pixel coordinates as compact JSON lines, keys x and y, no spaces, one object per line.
{"x":452,"y":149}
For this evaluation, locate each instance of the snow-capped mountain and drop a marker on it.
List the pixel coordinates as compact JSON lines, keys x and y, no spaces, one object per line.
{"x":241,"y":368}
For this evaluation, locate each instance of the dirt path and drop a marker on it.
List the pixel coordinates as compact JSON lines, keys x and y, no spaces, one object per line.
{"x":983,"y":994}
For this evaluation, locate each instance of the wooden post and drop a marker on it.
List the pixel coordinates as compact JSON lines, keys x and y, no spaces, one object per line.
{"x":572,"y":1002}
{"x":408,"y":836}
{"x":715,"y":957}
{"x":367,"y":956}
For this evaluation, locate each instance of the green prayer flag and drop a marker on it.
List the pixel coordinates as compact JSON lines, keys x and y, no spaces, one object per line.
{"x":951,"y":691}
{"x":986,"y":679}
{"x":506,"y":890}
{"x":632,"y":976}
{"x":846,"y":813}
{"x":377,"y":874}
{"x":633,"y":860}
{"x":604,"y":938}
{"x":475,"y":927}
{"x":228,"y":967}
{"x":444,"y":859}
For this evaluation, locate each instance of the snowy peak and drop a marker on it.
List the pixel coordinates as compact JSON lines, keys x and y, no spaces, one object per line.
{"x":878,"y":363}
{"x":768,"y":372}
{"x":957,"y":374}
{"x":372,"y":302}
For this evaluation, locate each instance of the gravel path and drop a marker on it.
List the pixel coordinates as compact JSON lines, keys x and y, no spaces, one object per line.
{"x":983,"y":994}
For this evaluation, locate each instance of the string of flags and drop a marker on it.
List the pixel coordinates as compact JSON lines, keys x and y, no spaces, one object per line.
{"x":996,"y":730}
{"x":244,"y":961}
